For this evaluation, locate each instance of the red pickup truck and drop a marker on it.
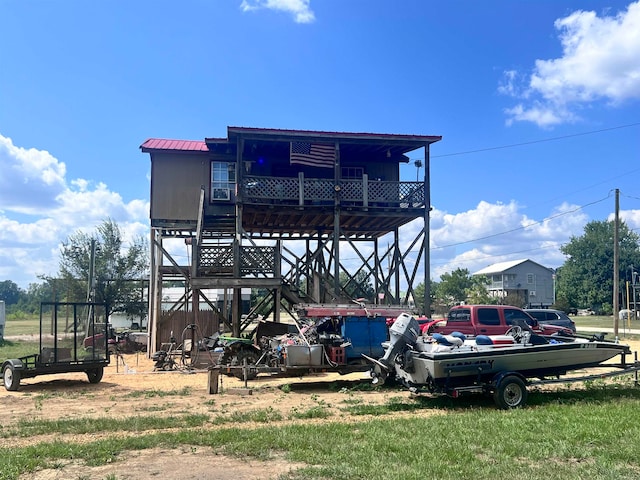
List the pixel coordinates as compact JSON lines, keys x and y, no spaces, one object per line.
{"x":488,"y":320}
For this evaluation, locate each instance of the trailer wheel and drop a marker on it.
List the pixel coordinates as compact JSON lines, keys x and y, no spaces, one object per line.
{"x":11,"y":378}
{"x":238,"y":361}
{"x":510,"y":392}
{"x":95,"y":374}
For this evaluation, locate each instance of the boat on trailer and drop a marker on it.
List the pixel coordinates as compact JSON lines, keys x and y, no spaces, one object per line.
{"x":503,"y":365}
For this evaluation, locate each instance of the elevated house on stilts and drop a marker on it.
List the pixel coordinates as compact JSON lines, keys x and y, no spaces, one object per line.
{"x":293,"y":213}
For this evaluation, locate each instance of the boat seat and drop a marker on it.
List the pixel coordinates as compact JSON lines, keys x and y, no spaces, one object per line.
{"x":538,"y":340}
{"x":448,"y":340}
{"x":483,"y":340}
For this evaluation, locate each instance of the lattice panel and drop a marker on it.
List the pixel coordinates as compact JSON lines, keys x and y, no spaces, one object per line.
{"x":272,"y":188}
{"x":412,"y":194}
{"x":384,"y":192}
{"x":257,"y":260}
{"x":352,"y":191}
{"x":219,"y":258}
{"x":318,"y":190}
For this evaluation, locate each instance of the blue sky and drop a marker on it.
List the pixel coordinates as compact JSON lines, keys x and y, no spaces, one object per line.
{"x":538,"y":104}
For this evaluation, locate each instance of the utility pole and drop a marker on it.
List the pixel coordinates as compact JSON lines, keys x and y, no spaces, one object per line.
{"x":616,"y":267}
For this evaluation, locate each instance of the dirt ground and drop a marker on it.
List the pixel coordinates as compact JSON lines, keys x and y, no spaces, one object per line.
{"x":124,"y":393}
{"x":70,"y":396}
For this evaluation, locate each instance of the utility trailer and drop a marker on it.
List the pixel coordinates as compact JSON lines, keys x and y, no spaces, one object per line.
{"x":64,"y":327}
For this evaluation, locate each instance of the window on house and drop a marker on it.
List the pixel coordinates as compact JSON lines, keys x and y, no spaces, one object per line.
{"x":530,"y":278}
{"x":223,"y":179}
{"x":352,"y":172}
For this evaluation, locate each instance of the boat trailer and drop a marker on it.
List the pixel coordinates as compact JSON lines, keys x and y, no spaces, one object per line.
{"x":509,"y":388}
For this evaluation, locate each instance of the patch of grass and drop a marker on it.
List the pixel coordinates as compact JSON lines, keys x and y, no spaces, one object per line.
{"x":183,"y":392}
{"x":10,"y":349}
{"x":26,"y":428}
{"x":24,"y":325}
{"x":261,"y":415}
{"x":317,"y":411}
{"x":382,"y":409}
{"x":156,"y":408}
{"x":343,"y":387}
{"x":286,"y":388}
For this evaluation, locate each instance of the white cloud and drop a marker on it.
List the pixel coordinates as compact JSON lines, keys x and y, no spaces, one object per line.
{"x":630,"y":217}
{"x":492,"y":233}
{"x":39,"y":208}
{"x":30,"y":178}
{"x":300,"y":9}
{"x":600,"y":61}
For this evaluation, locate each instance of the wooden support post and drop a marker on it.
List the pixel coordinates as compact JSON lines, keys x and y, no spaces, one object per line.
{"x":212,"y":383}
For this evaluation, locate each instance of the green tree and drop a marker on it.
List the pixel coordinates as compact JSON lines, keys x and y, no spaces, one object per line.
{"x":454,"y":287}
{"x":418,"y":298}
{"x":9,"y":292}
{"x":118,"y":269}
{"x":586,"y":278}
{"x":36,"y":293}
{"x":357,"y":287}
{"x":477,"y":293}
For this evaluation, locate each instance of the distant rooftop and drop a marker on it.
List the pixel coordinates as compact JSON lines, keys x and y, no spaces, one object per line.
{"x":504,"y":266}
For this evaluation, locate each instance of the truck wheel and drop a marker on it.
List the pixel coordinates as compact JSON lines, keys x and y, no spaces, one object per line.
{"x":238,"y":361}
{"x":11,"y":378}
{"x":95,"y":374}
{"x":510,"y":392}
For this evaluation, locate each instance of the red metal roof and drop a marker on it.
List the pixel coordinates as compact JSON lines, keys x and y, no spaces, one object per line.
{"x":409,"y":142}
{"x":166,"y":144}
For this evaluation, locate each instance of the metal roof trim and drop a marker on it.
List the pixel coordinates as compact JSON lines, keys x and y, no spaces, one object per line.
{"x":175,"y":145}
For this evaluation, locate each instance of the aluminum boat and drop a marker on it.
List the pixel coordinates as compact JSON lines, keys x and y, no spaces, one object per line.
{"x":440,"y":363}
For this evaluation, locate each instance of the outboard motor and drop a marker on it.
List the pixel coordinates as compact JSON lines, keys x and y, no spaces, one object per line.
{"x":404,"y":331}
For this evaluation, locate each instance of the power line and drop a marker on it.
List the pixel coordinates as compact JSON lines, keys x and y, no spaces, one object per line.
{"x":523,"y":227}
{"x":485,"y":256}
{"x":551,"y":139}
{"x":629,"y":196}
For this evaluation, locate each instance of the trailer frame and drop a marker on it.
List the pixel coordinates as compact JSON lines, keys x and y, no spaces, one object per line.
{"x":61,"y":349}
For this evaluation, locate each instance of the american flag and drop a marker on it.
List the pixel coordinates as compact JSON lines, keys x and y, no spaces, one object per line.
{"x":313,"y":154}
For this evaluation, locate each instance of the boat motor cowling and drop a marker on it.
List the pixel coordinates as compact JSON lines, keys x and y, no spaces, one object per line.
{"x":404,"y":331}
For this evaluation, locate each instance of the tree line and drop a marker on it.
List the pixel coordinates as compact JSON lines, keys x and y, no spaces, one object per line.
{"x":585,"y":280}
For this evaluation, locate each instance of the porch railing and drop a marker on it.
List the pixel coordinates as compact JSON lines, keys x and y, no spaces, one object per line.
{"x":313,"y":191}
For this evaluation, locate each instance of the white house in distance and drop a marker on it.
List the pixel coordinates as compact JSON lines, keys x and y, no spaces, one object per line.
{"x":530,"y":280}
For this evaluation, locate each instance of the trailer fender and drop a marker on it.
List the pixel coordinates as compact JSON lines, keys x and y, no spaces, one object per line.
{"x":16,"y":363}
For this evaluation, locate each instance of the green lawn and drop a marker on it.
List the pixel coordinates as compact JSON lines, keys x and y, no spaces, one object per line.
{"x":570,"y":435}
{"x":22,"y":326}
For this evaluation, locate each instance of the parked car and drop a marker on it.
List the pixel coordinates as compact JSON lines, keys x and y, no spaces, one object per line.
{"x":489,"y":320}
{"x":549,"y":316}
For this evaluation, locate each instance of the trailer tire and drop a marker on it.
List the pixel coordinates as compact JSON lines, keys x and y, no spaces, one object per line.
{"x":238,"y":361}
{"x":95,"y":374}
{"x":510,"y":392}
{"x":11,"y":378}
